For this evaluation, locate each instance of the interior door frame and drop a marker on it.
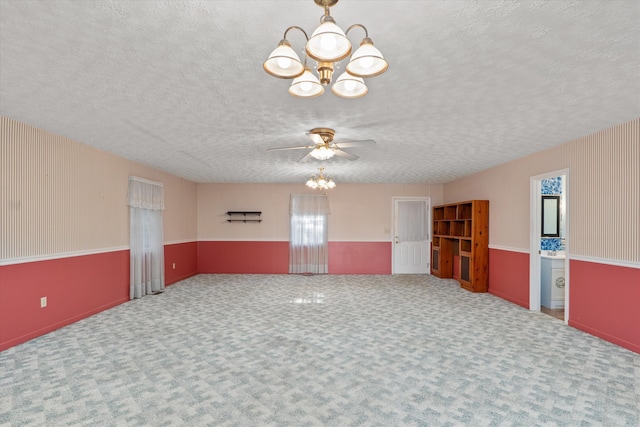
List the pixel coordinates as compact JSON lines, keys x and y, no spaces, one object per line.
{"x":535,"y":228}
{"x":394,"y":200}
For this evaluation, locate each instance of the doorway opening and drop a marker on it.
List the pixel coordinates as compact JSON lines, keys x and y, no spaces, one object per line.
{"x":549,"y":244}
{"x":411,"y":235}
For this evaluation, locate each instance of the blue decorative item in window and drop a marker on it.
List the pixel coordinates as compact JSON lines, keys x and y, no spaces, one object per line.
{"x":552,"y":185}
{"x":551,"y":244}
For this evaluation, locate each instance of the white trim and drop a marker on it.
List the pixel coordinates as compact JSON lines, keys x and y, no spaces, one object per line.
{"x":243,"y":240}
{"x":361,"y":241}
{"x":535,"y":192}
{"x":534,"y":243}
{"x":147,"y":181}
{"x":178,"y":242}
{"x":618,"y":263}
{"x":607,"y":261}
{"x":61,"y":255}
{"x":287,"y":240}
{"x":509,"y":249}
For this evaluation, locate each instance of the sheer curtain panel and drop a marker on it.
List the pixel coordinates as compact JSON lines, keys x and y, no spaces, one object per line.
{"x":309,"y":234}
{"x":413,"y":222}
{"x":146,"y":242}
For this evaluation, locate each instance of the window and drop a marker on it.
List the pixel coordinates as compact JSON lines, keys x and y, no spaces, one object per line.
{"x":308,"y":240}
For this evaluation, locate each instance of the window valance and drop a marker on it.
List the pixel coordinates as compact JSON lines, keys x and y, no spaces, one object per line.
{"x":146,"y":194}
{"x":311,"y":204}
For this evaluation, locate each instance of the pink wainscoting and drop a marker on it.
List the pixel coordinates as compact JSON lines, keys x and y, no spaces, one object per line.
{"x":509,"y":276}
{"x":75,"y":288}
{"x":605,"y":301}
{"x":185,"y":258}
{"x":456,"y":267}
{"x":360,"y":257}
{"x":257,"y":257}
{"x":234,"y":257}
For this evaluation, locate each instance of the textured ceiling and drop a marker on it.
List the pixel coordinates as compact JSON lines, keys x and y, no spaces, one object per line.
{"x":179,"y":85}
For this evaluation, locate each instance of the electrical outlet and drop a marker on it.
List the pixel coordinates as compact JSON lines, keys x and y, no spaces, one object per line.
{"x":174,"y":265}
{"x":43,"y":302}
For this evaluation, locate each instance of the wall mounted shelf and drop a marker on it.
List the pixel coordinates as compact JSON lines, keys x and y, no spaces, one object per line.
{"x":244,"y":216}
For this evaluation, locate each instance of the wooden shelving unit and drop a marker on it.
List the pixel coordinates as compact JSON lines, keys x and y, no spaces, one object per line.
{"x":244,"y":216}
{"x":461,"y":234}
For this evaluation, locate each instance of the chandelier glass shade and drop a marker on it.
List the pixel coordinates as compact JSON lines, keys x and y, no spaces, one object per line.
{"x":320,"y":182}
{"x":306,"y":85}
{"x":284,"y":62}
{"x":328,"y":42}
{"x":367,"y":61}
{"x":327,"y":45}
{"x":348,"y":86}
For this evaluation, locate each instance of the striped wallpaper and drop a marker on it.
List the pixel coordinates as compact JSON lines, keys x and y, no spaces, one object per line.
{"x":58,"y":196}
{"x":605,"y":193}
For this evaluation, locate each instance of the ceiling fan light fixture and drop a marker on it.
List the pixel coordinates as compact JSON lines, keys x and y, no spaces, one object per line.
{"x":283,"y":62}
{"x":349,"y":86}
{"x":306,"y":86}
{"x":367,"y":61}
{"x":322,"y":153}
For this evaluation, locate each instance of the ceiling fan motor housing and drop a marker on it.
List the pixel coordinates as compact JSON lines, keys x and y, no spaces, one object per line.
{"x":325,"y":133}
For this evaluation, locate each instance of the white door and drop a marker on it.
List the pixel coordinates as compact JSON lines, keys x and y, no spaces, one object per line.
{"x":411,"y":235}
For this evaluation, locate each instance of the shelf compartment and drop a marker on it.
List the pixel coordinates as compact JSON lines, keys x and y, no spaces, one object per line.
{"x":438,"y":214}
{"x":457,"y":228}
{"x":465,"y":245}
{"x":443,"y":228}
{"x":465,"y":211}
{"x":467,"y":228}
{"x":450,"y":212}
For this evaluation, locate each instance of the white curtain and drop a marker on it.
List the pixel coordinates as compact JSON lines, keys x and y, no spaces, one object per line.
{"x":412,"y":221}
{"x":146,"y":242}
{"x":309,"y":234}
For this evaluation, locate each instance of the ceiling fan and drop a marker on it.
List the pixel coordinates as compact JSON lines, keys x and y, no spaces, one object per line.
{"x":324,"y":147}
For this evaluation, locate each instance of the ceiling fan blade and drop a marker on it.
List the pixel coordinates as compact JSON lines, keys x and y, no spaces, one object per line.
{"x":355,"y":142}
{"x":307,"y":147}
{"x":316,"y":138}
{"x":345,"y":155}
{"x":305,"y":158}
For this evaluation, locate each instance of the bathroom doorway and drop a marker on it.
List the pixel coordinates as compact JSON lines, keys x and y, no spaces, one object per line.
{"x":549,"y":243}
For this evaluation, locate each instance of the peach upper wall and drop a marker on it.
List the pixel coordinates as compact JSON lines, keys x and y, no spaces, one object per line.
{"x":62,"y":196}
{"x":180,"y":203}
{"x":359,"y":212}
{"x":507,"y":189}
{"x":604,"y":194}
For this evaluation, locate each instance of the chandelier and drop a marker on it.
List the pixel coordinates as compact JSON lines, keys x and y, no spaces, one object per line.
{"x":320,"y":182}
{"x":327,"y":46}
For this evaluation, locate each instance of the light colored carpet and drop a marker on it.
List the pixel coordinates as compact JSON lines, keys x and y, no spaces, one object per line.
{"x":285,"y":350}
